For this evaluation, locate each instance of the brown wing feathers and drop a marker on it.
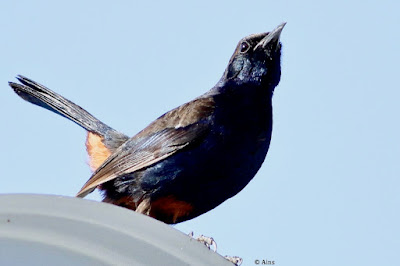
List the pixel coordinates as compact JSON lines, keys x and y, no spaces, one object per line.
{"x":159,"y":140}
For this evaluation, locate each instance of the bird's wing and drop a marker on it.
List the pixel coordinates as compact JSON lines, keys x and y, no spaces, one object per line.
{"x":159,"y":140}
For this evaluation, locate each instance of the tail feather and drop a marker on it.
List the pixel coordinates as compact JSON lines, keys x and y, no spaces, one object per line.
{"x":38,"y":94}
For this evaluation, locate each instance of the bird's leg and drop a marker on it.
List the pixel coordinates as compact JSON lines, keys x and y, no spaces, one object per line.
{"x":144,"y":207}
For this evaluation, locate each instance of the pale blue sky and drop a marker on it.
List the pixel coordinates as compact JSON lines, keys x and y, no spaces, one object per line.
{"x":329,"y":190}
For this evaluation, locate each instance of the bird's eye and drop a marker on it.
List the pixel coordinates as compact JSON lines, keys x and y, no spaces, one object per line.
{"x":244,"y":47}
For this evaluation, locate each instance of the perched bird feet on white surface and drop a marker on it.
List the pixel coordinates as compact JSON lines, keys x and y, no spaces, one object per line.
{"x":234,"y":259}
{"x":207,"y":241}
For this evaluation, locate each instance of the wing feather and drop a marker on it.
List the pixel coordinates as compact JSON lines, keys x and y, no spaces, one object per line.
{"x":137,"y":154}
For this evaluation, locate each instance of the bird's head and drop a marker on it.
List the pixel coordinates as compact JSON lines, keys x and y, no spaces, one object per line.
{"x":256,"y":60}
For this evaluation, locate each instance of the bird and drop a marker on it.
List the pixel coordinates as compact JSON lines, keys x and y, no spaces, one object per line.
{"x":192,"y":158}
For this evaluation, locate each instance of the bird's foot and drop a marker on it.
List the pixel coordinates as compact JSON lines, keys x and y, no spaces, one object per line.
{"x":210,"y":242}
{"x":207,"y":241}
{"x":234,"y":259}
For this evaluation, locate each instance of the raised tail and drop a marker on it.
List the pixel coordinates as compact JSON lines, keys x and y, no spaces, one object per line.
{"x":40,"y":95}
{"x":102,"y":140}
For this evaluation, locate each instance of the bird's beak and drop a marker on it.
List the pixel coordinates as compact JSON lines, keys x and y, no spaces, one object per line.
{"x":272,"y":39}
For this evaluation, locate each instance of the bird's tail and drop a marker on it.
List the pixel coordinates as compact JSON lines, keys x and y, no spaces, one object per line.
{"x":101,"y":141}
{"x":38,"y":94}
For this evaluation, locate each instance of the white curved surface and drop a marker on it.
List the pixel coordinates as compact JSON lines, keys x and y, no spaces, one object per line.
{"x":55,"y":230}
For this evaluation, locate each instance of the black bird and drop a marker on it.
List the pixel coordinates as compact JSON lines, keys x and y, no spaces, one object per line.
{"x":192,"y":158}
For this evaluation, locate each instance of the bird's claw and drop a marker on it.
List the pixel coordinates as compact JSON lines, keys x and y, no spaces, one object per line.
{"x":210,"y":242}
{"x":207,"y":241}
{"x":234,"y":259}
